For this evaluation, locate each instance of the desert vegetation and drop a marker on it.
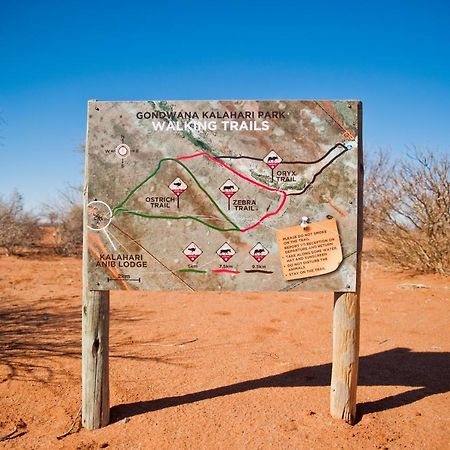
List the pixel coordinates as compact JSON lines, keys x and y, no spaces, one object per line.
{"x":18,"y":228}
{"x":407,"y":209}
{"x":57,"y":228}
{"x":66,"y":215}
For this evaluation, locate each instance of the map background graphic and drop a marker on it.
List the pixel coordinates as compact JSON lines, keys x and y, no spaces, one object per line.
{"x":327,"y":187}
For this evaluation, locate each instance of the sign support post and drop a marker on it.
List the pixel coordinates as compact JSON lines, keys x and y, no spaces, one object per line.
{"x":346,"y":321}
{"x":94,"y":339}
{"x":95,"y":359}
{"x":344,"y":378}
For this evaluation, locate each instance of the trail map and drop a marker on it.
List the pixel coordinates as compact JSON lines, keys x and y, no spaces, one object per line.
{"x":188,"y":195}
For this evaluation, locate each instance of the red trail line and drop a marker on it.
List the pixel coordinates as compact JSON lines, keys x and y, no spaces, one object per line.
{"x":268,"y":188}
{"x":226,"y":271}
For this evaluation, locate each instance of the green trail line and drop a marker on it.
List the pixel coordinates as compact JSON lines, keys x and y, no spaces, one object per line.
{"x":146,"y":216}
{"x":193,"y":270}
{"x":118,"y":209}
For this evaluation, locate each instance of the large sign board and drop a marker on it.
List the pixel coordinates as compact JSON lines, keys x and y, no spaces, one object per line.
{"x":192,"y":195}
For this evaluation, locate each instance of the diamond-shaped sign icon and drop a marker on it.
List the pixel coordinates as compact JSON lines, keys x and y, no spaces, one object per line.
{"x":178,"y":186}
{"x":272,"y":159}
{"x":259,"y":252}
{"x":226,"y":252}
{"x":228,"y":188}
{"x":192,"y":251}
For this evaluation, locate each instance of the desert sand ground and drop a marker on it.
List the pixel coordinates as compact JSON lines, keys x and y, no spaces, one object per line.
{"x":224,"y":371}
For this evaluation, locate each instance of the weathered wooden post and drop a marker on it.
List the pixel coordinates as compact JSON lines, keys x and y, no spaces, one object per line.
{"x":344,"y":378}
{"x":95,"y":356}
{"x":346,"y":320}
{"x":94,"y":339}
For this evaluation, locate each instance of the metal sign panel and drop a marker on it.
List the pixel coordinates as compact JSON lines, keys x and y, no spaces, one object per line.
{"x":188,"y":195}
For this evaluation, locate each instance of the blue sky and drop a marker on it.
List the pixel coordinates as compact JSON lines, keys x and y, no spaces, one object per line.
{"x":54,"y":56}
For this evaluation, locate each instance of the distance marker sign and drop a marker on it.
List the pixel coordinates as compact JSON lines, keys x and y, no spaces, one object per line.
{"x":226,"y":252}
{"x":192,"y":251}
{"x":259,"y":252}
{"x":191,"y":195}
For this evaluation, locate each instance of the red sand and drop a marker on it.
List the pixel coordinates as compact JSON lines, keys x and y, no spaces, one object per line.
{"x":254,"y":370}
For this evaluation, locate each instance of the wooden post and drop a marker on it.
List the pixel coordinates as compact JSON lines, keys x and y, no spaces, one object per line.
{"x":344,"y":375}
{"x":95,"y":359}
{"x":95,"y":336}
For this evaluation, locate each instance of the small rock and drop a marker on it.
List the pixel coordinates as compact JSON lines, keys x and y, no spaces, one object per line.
{"x":125,"y":420}
{"x":104,"y":445}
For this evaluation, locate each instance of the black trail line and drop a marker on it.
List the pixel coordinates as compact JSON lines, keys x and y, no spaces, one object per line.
{"x":153,"y":256}
{"x":319,"y":172}
{"x":259,"y":271}
{"x":339,"y":144}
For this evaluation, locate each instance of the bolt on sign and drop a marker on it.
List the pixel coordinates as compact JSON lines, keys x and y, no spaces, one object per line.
{"x":209,"y":195}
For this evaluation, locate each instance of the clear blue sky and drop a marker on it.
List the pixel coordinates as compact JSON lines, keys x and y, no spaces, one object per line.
{"x":55,"y":55}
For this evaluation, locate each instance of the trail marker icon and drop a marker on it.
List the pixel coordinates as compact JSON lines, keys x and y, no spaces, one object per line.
{"x":192,"y":251}
{"x":228,"y":189}
{"x":272,"y":159}
{"x":259,"y":252}
{"x":178,"y":186}
{"x":226,"y":252}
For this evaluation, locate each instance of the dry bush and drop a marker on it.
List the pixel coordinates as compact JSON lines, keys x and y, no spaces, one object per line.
{"x":19,"y":230}
{"x":66,"y":214}
{"x":70,"y":229}
{"x":407,"y":209}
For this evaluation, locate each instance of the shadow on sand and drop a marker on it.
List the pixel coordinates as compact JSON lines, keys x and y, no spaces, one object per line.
{"x":428,"y":372}
{"x":35,"y":340}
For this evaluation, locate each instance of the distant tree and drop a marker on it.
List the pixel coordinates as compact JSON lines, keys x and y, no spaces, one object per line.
{"x":18,"y":229}
{"x":71,"y":231}
{"x":407,"y":209}
{"x":66,"y":214}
